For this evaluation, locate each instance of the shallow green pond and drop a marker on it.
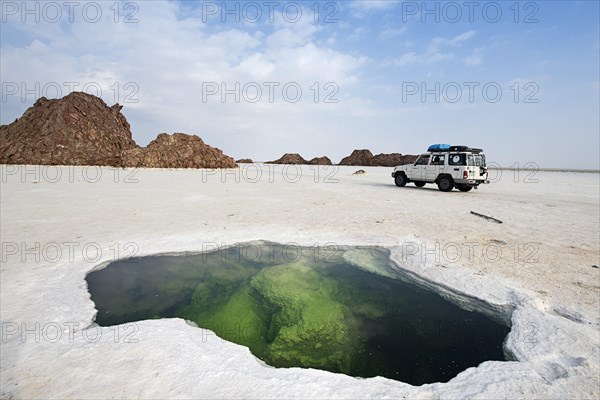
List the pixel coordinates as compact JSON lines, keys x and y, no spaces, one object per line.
{"x":339,"y":309}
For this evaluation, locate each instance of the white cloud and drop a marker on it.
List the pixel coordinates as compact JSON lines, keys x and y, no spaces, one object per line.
{"x":473,"y":60}
{"x":427,"y":58}
{"x":438,"y":42}
{"x":357,"y":33}
{"x":392,"y":32}
{"x":476,"y":58}
{"x":169,"y":58}
{"x":407,"y":58}
{"x":360,"y":9}
{"x":373,"y":5}
{"x":524,"y":81}
{"x":462,"y":37}
{"x":435,"y":51}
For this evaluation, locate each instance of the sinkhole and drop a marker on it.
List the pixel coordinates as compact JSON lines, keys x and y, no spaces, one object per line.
{"x":342,"y":309}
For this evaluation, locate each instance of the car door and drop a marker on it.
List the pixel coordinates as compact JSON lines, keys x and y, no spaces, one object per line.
{"x":418,"y":170}
{"x":435,"y":167}
{"x":480,"y":169}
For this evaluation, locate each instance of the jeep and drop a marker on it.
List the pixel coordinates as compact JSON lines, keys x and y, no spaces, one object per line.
{"x":449,"y":167}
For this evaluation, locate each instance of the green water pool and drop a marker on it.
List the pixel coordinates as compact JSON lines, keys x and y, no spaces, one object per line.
{"x":340,"y":309}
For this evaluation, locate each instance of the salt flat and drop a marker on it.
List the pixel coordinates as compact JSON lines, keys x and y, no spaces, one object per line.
{"x":57,"y":224}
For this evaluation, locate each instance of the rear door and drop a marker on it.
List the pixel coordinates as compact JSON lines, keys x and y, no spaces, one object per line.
{"x":436,"y":166}
{"x":478,"y":168}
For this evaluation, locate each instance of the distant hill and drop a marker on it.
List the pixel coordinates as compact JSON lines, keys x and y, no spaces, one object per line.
{"x":289,"y":158}
{"x":365,"y":158}
{"x":295,"y":158}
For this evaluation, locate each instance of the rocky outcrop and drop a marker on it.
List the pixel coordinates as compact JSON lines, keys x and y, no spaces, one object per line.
{"x":320,"y":161}
{"x":294,"y":158}
{"x":392,"y":160}
{"x":359,"y":158}
{"x":177,"y":151}
{"x":365,"y":158}
{"x":79,"y":129}
{"x":245,"y":161}
{"x":290,"y":158}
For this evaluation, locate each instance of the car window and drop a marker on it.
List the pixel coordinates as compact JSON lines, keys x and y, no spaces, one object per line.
{"x":470,"y":161}
{"x":438,"y":159}
{"x":457,"y":159}
{"x":423,"y":160}
{"x":479,"y":160}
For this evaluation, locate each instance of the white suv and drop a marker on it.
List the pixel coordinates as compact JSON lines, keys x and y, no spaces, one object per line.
{"x":448,"y":166}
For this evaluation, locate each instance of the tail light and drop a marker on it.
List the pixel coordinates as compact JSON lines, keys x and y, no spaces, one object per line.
{"x":465,"y":174}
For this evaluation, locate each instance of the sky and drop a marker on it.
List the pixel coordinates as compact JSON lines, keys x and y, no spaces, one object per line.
{"x":261,"y":78}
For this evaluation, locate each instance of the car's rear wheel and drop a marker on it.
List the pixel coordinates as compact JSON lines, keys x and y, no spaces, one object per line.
{"x":445,"y":184}
{"x":419,"y":184}
{"x":464,"y":188}
{"x":400,"y":179}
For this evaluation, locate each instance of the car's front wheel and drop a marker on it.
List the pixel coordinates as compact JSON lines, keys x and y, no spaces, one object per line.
{"x":445,"y":184}
{"x":400,"y":179}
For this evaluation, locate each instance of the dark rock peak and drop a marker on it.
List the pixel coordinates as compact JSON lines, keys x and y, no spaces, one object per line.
{"x":290,"y":158}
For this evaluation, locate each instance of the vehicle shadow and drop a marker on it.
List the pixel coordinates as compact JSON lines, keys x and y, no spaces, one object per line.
{"x":411,"y":187}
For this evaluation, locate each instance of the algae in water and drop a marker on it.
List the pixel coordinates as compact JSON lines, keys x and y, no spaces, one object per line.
{"x":348,"y":314}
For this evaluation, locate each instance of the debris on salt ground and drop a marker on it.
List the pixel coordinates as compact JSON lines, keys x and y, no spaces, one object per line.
{"x":487,"y":217}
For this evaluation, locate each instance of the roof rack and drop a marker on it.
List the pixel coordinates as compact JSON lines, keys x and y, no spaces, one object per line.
{"x":438,"y":148}
{"x":459,"y":148}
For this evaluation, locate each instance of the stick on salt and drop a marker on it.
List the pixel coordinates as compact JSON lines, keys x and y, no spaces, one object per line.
{"x":486,"y":217}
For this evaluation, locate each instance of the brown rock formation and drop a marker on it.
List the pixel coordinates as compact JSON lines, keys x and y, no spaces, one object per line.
{"x":392,"y":160}
{"x":320,"y":161}
{"x":366,"y":158}
{"x":408,"y":159}
{"x":245,"y":161}
{"x":359,"y":158}
{"x":177,"y":151}
{"x":79,"y":129}
{"x":289,"y":158}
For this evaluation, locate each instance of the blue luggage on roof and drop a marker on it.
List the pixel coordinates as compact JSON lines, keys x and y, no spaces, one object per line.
{"x":439,"y":147}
